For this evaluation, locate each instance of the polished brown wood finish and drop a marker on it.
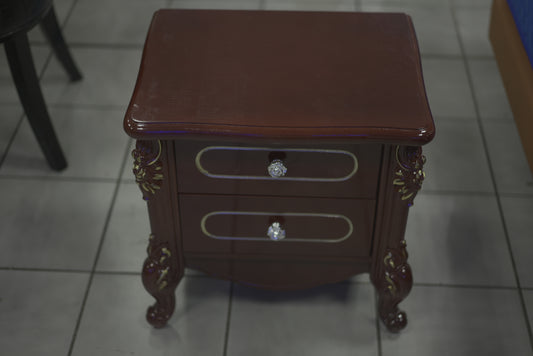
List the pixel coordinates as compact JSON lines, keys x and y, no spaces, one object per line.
{"x":164,"y":266}
{"x":336,"y":98}
{"x":401,"y":178}
{"x":277,"y":74}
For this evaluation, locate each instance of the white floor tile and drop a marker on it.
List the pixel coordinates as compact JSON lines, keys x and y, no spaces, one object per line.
{"x":456,"y":159}
{"x":436,"y":3}
{"x":39,"y":311}
{"x":92,"y":140}
{"x":216,"y":4}
{"x":434,"y":25}
{"x":447,"y":88}
{"x":472,"y":3}
{"x":127,"y":173}
{"x":310,"y":5}
{"x":120,"y":22}
{"x":114,"y":322}
{"x":528,"y":299}
{"x":473,"y":26}
{"x":8,"y":91}
{"x":460,"y":322}
{"x":331,"y":320}
{"x":126,"y":238}
{"x":508,"y":159}
{"x":518,"y":213}
{"x":51,"y":224}
{"x":455,"y":239}
{"x":489,"y":91}
{"x":109,"y":76}
{"x":9,"y":118}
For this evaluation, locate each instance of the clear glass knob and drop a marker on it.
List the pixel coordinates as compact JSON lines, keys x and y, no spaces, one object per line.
{"x":277,"y":169}
{"x":275,"y":232}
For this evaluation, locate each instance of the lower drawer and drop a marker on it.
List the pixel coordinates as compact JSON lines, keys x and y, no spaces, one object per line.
{"x":273,"y":225}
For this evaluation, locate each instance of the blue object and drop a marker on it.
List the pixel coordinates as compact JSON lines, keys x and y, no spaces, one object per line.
{"x":522,"y":11}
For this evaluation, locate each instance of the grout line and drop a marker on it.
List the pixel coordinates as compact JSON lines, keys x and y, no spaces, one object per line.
{"x":53,"y":270}
{"x":463,"y":286}
{"x":491,"y":170}
{"x":378,"y":322}
{"x":69,"y":14}
{"x":98,"y":250}
{"x":118,"y":273}
{"x":205,"y":276}
{"x":458,"y":57}
{"x":228,"y":320}
{"x":112,"y":46}
{"x":93,"y":45}
{"x":440,"y":285}
{"x":428,"y":191}
{"x":12,"y":138}
{"x":517,"y":195}
{"x":88,"y":106}
{"x":58,"y":178}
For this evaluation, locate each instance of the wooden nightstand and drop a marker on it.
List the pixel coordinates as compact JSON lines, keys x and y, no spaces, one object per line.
{"x":279,"y":149}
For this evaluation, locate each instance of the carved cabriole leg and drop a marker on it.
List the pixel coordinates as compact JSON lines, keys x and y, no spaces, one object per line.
{"x":391,"y":274}
{"x":163,"y":268}
{"x":396,"y":284}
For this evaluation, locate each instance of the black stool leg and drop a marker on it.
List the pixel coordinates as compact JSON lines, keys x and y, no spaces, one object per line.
{"x":23,"y":71}
{"x":51,"y":30}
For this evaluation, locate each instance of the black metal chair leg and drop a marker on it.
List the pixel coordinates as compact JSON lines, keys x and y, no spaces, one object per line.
{"x":52,"y":31}
{"x":23,"y":71}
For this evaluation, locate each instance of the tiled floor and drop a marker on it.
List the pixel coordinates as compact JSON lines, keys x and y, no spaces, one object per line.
{"x":72,"y":243}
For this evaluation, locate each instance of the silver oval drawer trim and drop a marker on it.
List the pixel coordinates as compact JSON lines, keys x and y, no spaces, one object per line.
{"x":266,"y":177}
{"x":288,"y":239}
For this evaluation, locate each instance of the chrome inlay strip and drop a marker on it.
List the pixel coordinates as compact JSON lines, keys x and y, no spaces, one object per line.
{"x":266,"y":177}
{"x":265,"y":238}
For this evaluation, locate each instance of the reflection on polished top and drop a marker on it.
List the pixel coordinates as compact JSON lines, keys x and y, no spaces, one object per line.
{"x":281,"y":75}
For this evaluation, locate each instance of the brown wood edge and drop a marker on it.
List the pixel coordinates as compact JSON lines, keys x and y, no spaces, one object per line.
{"x":516,"y":71}
{"x":408,"y":137}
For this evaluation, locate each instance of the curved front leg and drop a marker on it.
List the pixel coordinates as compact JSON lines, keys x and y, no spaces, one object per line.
{"x":391,"y":274}
{"x":163,"y":268}
{"x":395,"y":284}
{"x":160,"y":280}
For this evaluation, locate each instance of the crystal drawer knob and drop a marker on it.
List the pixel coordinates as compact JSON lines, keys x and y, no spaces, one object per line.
{"x":275,"y":232}
{"x":276,"y":169}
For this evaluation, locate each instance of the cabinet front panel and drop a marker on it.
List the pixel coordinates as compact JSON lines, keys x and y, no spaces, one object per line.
{"x":275,"y":225}
{"x":325,"y":170}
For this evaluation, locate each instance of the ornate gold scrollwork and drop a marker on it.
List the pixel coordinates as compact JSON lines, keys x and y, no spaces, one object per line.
{"x":147,"y":166}
{"x":397,"y":283}
{"x":396,"y":267}
{"x":409,"y":177}
{"x":157,"y":265}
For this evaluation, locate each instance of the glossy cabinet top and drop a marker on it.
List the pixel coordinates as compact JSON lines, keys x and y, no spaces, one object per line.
{"x":281,"y":75}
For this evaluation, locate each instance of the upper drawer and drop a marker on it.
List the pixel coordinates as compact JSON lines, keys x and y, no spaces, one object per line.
{"x":325,"y":170}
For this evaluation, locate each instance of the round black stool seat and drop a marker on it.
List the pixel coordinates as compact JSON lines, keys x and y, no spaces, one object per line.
{"x":21,"y":15}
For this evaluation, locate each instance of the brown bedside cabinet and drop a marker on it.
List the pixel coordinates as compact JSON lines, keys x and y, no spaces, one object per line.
{"x":279,"y":149}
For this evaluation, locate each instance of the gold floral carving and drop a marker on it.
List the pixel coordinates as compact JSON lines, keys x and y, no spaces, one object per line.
{"x":396,"y":267}
{"x":410,"y":175}
{"x":157,"y":265}
{"x":397,"y":283}
{"x":147,"y":166}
